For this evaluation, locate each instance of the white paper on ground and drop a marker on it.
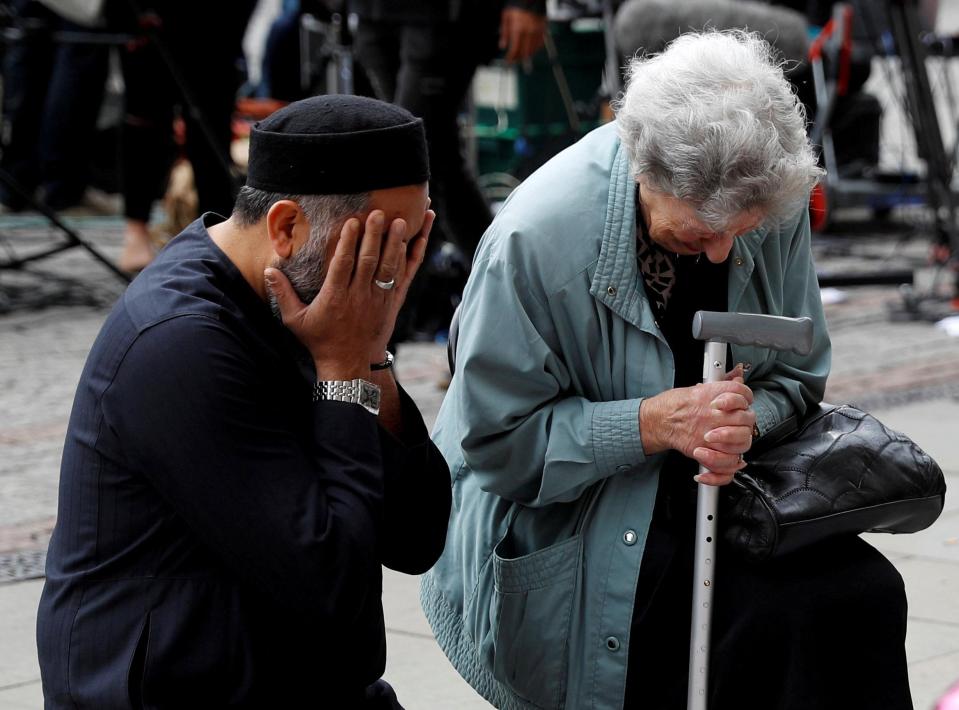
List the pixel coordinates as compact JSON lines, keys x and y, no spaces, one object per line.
{"x":832,"y":295}
{"x":950,"y":325}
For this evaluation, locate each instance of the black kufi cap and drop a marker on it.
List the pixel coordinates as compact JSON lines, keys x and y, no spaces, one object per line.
{"x":337,"y":144}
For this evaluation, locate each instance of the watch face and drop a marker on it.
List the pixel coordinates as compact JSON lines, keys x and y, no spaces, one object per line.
{"x":369,"y":395}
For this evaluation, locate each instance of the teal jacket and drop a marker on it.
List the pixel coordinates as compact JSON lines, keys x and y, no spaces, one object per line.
{"x":552,"y":493}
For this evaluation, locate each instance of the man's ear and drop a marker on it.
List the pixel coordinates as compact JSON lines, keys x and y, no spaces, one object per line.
{"x":286,"y":225}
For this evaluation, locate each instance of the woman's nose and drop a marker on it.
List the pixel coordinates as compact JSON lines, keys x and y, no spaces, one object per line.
{"x":718,"y":249}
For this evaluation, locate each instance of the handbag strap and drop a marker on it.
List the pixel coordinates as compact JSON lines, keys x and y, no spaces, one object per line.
{"x":789,"y":428}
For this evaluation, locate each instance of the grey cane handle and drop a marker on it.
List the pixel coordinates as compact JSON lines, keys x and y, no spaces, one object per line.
{"x":776,"y":332}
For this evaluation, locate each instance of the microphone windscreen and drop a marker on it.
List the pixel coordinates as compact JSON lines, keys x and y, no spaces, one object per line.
{"x":649,"y":25}
{"x":88,"y":13}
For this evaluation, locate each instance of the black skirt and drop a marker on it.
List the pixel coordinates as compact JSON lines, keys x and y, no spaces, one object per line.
{"x":821,"y":629}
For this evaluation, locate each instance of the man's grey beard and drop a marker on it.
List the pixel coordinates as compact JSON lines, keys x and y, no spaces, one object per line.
{"x":304,"y":269}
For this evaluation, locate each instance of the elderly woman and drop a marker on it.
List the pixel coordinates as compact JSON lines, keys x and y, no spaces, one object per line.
{"x":574,"y":423}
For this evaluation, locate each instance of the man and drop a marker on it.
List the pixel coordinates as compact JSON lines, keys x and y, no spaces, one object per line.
{"x":576,"y":420}
{"x":228,"y":489}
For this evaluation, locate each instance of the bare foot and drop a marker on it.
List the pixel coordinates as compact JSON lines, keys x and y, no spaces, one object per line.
{"x":138,"y":250}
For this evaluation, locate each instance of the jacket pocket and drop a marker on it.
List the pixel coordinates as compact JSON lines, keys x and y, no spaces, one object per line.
{"x":533,"y":598}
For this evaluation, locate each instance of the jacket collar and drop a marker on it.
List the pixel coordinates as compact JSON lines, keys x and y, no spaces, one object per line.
{"x":615,"y":280}
{"x":743,"y":258}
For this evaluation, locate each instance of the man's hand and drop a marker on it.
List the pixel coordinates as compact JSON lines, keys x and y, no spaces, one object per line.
{"x":414,"y":249}
{"x":520,"y":33}
{"x":351,"y":316}
{"x":711,"y":423}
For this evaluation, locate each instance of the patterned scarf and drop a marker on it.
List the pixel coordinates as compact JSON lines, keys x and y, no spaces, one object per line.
{"x":657,"y":266}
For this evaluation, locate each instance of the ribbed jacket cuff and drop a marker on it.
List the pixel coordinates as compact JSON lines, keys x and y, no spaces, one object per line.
{"x":766,"y":415}
{"x":617,"y":445}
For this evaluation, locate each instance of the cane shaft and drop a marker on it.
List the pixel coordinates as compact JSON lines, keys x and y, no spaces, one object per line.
{"x":714,"y":368}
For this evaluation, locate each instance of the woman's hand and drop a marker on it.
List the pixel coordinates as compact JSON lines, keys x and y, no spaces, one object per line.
{"x":711,"y":423}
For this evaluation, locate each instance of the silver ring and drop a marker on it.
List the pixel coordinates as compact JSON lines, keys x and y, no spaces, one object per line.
{"x":741,"y":458}
{"x":385,"y":285}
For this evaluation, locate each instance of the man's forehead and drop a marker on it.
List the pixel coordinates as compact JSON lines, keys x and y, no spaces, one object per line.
{"x":400,"y":198}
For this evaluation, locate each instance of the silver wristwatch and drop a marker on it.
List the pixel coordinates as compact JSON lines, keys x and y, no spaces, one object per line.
{"x":360,"y":392}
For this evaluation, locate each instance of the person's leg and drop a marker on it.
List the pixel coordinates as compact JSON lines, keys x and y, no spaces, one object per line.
{"x":822,"y":628}
{"x":210,"y":69}
{"x":376,"y":46}
{"x":208,"y":146}
{"x":146,"y":149}
{"x":436,"y":65}
{"x":438,"y":62}
{"x":70,"y":120}
{"x":280,"y":68}
{"x":659,"y":634}
{"x":27,"y":64}
{"x":381,"y":696}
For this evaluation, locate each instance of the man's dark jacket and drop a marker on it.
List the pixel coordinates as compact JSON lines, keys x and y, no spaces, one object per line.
{"x":220,"y":535}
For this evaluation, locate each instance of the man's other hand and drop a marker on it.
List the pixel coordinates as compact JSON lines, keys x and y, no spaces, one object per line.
{"x":521,"y":33}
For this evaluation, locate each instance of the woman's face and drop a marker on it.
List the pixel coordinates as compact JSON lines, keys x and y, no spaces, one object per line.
{"x":674,"y":225}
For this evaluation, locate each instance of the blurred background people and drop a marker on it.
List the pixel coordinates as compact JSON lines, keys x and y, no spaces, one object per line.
{"x":52,"y":92}
{"x":183,"y":71}
{"x":281,"y":73}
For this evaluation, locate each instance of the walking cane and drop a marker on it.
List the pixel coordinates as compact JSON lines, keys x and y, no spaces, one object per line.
{"x":718,"y":329}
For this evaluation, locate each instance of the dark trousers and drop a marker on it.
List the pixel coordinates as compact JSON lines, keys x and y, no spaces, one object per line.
{"x":427,"y":69}
{"x":51,"y":99}
{"x":204,"y":45}
{"x":147,"y":145}
{"x":823,"y":628}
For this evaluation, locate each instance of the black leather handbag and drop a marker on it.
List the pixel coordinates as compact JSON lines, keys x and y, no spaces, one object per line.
{"x":841,"y":471}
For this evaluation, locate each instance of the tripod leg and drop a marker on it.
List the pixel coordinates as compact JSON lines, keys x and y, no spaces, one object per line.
{"x":73,"y":239}
{"x":942,"y":199}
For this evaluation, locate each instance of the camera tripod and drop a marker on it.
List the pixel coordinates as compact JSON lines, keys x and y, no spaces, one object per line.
{"x":901,"y":37}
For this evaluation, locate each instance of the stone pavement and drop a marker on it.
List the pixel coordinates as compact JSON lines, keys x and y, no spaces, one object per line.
{"x":907,"y":372}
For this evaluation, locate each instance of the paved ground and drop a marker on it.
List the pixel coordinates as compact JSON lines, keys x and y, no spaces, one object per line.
{"x":905,"y":372}
{"x":908,"y":373}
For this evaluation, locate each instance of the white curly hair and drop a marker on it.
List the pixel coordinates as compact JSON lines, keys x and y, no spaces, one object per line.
{"x":713,"y":121}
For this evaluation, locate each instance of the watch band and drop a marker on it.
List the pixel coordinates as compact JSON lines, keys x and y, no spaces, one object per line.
{"x":357,"y":391}
{"x":385,"y":365}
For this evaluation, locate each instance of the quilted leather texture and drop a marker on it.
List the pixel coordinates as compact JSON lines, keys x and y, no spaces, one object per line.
{"x":842,"y":472}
